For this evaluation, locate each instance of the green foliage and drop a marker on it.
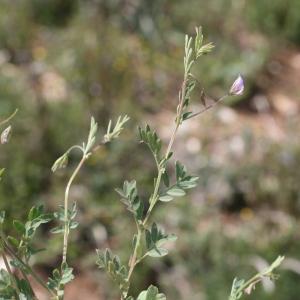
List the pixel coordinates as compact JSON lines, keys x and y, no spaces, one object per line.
{"x":150,"y":138}
{"x":60,"y":163}
{"x":113,"y":266}
{"x":113,"y":133}
{"x":26,"y":292}
{"x":26,"y":231}
{"x":155,"y":239}
{"x":130,"y":198}
{"x":183,"y":182}
{"x":190,"y":86}
{"x":60,"y":216}
{"x":152,"y":293}
{"x":86,"y":148}
{"x":59,"y":279}
{"x":92,"y":137}
{"x":6,"y":286}
{"x":201,"y":49}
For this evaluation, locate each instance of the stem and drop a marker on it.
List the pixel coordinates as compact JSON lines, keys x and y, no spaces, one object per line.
{"x":66,"y":205}
{"x":252,"y":280}
{"x":26,"y":278}
{"x":27,"y":267}
{"x":12,"y":277}
{"x":133,"y":259}
{"x":154,"y":197}
{"x":207,"y":107}
{"x":9,"y":118}
{"x":75,"y":147}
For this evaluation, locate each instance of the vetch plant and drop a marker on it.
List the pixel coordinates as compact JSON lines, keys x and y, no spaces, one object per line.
{"x":21,"y":249}
{"x":149,"y":239}
{"x":66,"y":216}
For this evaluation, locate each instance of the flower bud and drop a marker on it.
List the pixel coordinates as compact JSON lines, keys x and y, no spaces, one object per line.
{"x":61,"y":162}
{"x":237,"y":87}
{"x":5,"y":135}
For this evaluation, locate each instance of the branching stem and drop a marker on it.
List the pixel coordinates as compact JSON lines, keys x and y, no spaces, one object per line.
{"x":207,"y":107}
{"x":154,"y":197}
{"x":135,"y":260}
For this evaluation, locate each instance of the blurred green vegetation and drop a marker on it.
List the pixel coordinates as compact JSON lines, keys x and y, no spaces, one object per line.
{"x":62,"y":61}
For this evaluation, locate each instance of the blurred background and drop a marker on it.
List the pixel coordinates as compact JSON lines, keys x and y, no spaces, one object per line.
{"x":63,"y":61}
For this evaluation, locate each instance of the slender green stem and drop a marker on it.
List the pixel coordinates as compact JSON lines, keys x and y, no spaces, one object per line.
{"x":75,"y":147}
{"x":161,"y":169}
{"x":85,"y":156}
{"x":207,"y":107}
{"x":66,"y":206}
{"x":133,"y":259}
{"x":154,"y":197}
{"x":9,"y":118}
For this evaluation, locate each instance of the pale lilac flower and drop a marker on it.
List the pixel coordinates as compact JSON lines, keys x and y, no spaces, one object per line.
{"x":237,"y":87}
